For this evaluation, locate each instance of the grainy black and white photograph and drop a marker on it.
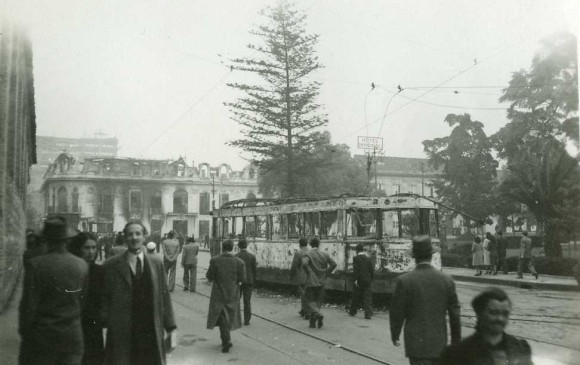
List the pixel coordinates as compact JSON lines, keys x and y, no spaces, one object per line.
{"x":318,"y":182}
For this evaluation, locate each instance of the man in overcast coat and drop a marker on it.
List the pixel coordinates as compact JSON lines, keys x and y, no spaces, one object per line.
{"x":136,"y":307}
{"x":421,"y":301}
{"x":226,"y":272}
{"x":248,"y":286}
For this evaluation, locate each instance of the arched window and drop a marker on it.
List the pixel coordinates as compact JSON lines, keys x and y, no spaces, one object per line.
{"x":251,"y":195}
{"x":180,"y":170}
{"x":61,"y":200}
{"x":75,"y":200}
{"x":204,"y":171}
{"x":180,"y":201}
{"x":223,"y":170}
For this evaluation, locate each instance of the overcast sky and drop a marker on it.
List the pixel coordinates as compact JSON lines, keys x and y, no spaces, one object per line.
{"x":150,"y":72}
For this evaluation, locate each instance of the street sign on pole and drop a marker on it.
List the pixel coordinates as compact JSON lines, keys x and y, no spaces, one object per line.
{"x":370,"y":143}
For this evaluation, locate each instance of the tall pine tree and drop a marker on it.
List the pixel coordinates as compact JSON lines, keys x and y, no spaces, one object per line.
{"x":279,"y":115}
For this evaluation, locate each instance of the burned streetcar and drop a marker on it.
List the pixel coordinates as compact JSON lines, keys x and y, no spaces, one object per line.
{"x":384,"y":225}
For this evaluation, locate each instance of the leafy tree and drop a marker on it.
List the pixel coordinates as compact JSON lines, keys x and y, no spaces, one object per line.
{"x":469,"y":169}
{"x":278,"y":112}
{"x":330,"y":171}
{"x":542,"y":120}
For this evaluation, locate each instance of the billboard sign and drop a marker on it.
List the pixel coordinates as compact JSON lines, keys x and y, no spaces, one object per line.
{"x":370,"y":143}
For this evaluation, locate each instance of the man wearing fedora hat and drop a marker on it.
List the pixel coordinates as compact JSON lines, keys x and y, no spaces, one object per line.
{"x":421,"y":301}
{"x":50,"y":310}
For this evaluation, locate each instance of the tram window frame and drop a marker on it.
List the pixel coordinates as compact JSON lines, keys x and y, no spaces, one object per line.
{"x":325,"y":229}
{"x":279,"y":227}
{"x":251,"y":228}
{"x":390,"y":225}
{"x":311,"y":224}
{"x":295,"y":223}
{"x":403,"y":225}
{"x":370,"y":215}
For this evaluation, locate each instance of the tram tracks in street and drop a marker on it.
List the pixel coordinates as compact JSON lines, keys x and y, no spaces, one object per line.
{"x":280,"y":324}
{"x":528,"y":318}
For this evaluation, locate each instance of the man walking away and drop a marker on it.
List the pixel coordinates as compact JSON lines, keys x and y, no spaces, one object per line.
{"x":489,"y":344}
{"x":50,"y":310}
{"x":247,"y":286}
{"x":226,"y":272}
{"x":501,"y":253}
{"x":362,"y":276}
{"x":189,"y":264}
{"x":170,"y":252}
{"x":136,"y":306}
{"x":298,"y":276}
{"x":318,"y":266}
{"x":526,"y":256}
{"x":420,"y":303}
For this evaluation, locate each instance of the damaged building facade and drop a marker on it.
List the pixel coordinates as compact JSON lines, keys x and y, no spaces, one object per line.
{"x":102,"y":194}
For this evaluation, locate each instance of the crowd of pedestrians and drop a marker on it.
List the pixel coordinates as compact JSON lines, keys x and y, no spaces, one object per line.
{"x":68,"y":298}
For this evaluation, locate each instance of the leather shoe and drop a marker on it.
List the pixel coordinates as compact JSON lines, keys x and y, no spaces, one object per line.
{"x":226,"y":347}
{"x":312,"y":322}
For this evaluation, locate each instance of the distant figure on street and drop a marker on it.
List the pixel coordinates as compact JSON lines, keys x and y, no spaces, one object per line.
{"x":136,"y":308}
{"x":492,"y":248}
{"x":489,"y":344}
{"x":318,"y":265}
{"x":247,"y":286}
{"x":84,"y":245}
{"x":119,"y":239}
{"x":226,"y":272}
{"x":151,"y":248}
{"x":118,"y":249}
{"x":100,"y":245}
{"x":35,"y":246}
{"x":421,"y":301}
{"x":501,"y":252}
{"x":298,"y":276}
{"x":205,"y":241}
{"x":362,"y":275}
{"x":170,"y":248}
{"x":189,"y":264}
{"x":526,"y":256}
{"x":50,"y":310}
{"x":477,"y":255}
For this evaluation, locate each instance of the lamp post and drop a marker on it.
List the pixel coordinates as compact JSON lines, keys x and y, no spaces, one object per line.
{"x":213,"y":173}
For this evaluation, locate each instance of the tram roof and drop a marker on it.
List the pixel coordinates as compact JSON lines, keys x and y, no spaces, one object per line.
{"x":265,"y":206}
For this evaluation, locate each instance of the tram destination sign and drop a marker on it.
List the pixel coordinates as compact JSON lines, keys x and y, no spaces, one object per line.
{"x":370,"y":143}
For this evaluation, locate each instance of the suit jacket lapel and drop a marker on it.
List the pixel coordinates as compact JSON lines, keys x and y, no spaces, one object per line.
{"x":124,"y":268}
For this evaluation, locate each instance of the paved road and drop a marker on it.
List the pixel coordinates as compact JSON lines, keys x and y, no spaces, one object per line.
{"x":264,"y":342}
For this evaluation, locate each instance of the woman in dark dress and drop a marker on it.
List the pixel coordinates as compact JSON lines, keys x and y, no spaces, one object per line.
{"x":85,"y":246}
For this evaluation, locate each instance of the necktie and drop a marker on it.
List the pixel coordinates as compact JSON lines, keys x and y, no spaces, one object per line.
{"x":138,"y":268}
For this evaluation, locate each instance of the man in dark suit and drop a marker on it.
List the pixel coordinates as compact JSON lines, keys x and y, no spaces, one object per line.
{"x":318,"y":266}
{"x":226,"y":272}
{"x":501,"y":252}
{"x":136,"y":307}
{"x":247,"y":286}
{"x":189,"y":264}
{"x":526,"y":256}
{"x":420,"y":303}
{"x":490,"y":344}
{"x":298,"y":276}
{"x":362,"y":276}
{"x":50,"y":311}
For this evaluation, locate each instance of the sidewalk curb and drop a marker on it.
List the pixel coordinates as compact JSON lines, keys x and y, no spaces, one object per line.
{"x":518,"y":283}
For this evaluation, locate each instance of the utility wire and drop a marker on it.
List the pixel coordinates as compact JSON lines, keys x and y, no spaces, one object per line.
{"x":190,"y":108}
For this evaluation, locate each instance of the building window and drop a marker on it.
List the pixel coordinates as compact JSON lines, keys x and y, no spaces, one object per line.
{"x":204,"y":171}
{"x":75,"y":200}
{"x":223,"y":170}
{"x":136,"y":169}
{"x":61,"y":201}
{"x":252,"y":173}
{"x":224,"y":198}
{"x":106,"y":203}
{"x":156,"y":203}
{"x":204,"y":203}
{"x":180,"y":201}
{"x":180,"y":170}
{"x":135,"y":201}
